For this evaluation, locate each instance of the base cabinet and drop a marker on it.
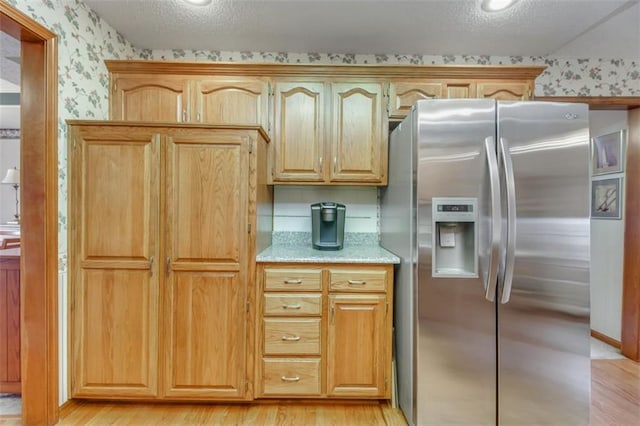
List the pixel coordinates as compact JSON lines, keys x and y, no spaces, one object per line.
{"x":324,"y":331}
{"x":356,"y":344}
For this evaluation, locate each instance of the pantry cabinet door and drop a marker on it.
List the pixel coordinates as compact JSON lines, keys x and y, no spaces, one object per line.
{"x":150,"y":98}
{"x":114,"y":190}
{"x":206,"y":265}
{"x":299,"y":131}
{"x":359,"y":133}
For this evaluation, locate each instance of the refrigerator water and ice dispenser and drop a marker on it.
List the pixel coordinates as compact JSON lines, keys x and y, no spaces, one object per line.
{"x":455,"y":238}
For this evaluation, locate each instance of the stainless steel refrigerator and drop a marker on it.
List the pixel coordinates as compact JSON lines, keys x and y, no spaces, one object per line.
{"x":488,"y":208}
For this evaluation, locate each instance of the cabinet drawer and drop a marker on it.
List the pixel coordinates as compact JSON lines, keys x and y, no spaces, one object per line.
{"x":355,"y":280}
{"x":284,"y":336}
{"x":291,"y":376}
{"x":292,"y":304}
{"x":293,"y":279}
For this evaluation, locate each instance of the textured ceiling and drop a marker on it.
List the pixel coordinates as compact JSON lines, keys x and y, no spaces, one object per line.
{"x":436,"y":27}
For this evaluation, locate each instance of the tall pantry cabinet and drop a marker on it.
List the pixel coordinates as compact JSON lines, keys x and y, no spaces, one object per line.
{"x":163,"y":236}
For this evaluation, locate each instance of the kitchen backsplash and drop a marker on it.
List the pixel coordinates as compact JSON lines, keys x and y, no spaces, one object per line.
{"x":292,"y":207}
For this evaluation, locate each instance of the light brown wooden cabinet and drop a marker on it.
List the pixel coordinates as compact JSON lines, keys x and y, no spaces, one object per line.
{"x":162,"y":241}
{"x":160,"y":98}
{"x":329,"y":132}
{"x":328,"y":123}
{"x":10,"y":374}
{"x":505,"y":91}
{"x":324,"y":331}
{"x":403,"y":94}
{"x":299,"y":133}
{"x":175,"y":98}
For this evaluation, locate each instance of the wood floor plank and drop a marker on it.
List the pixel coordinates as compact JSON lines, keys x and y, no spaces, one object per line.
{"x":615,"y":393}
{"x":289,"y":412}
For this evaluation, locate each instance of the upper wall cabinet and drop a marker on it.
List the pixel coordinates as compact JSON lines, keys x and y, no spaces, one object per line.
{"x":328,"y":123}
{"x":231,"y":100}
{"x":150,"y":98}
{"x":404,"y":94}
{"x":173,"y":98}
{"x":359,"y":134}
{"x":505,"y":91}
{"x":299,"y":131}
{"x":329,"y":132}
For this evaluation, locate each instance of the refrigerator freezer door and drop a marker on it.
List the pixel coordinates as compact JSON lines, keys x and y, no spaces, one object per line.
{"x":543,"y":330}
{"x":455,"y":354}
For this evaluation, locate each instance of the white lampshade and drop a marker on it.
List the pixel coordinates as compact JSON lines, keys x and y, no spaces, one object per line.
{"x":12,"y":177}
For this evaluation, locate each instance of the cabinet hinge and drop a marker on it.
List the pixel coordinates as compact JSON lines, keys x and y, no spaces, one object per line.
{"x":115,"y":86}
{"x":386,"y":308}
{"x":250,"y":147}
{"x":74,"y":143}
{"x":247,"y":305}
{"x":248,"y":228}
{"x":387,"y":97}
{"x":246,"y":386}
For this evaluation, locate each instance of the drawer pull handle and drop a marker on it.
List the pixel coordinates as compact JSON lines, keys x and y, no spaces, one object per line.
{"x":293,"y":281}
{"x":291,"y":338}
{"x":357,"y":282}
{"x":296,"y":306}
{"x":290,"y":379}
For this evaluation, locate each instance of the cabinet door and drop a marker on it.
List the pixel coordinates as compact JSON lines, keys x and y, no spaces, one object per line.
{"x":357,"y":346}
{"x":403,"y":95}
{"x":206,"y":265}
{"x":150,"y":98}
{"x":10,"y":324}
{"x":114,"y":277}
{"x":359,"y":137}
{"x":504,"y":91}
{"x":231,"y":100}
{"x":299,"y":131}
{"x":459,"y":89}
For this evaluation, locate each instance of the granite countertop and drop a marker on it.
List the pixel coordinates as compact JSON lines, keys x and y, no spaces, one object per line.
{"x":296,"y":247}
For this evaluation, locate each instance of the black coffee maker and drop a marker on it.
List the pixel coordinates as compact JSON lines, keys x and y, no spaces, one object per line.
{"x":327,"y":225}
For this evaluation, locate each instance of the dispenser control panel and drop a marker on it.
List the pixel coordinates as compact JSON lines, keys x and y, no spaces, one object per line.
{"x":455,"y":237}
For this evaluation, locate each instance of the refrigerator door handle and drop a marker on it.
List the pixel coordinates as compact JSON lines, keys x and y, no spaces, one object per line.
{"x":511,"y":220}
{"x":496,"y":218}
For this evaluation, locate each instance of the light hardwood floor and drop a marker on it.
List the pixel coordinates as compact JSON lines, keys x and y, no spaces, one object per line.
{"x":615,"y":401}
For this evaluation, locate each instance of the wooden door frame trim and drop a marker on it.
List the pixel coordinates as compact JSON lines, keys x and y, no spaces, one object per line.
{"x":39,"y":213}
{"x":630,"y":333}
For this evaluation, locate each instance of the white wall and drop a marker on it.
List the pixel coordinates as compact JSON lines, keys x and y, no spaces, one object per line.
{"x":9,"y":158}
{"x":292,"y":211}
{"x":607,"y":245}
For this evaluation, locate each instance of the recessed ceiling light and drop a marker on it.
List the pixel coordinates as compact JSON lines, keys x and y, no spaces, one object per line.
{"x":198,"y":2}
{"x":496,"y":5}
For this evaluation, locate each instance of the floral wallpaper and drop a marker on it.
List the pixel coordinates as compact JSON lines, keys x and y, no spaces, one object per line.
{"x":85,"y":40}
